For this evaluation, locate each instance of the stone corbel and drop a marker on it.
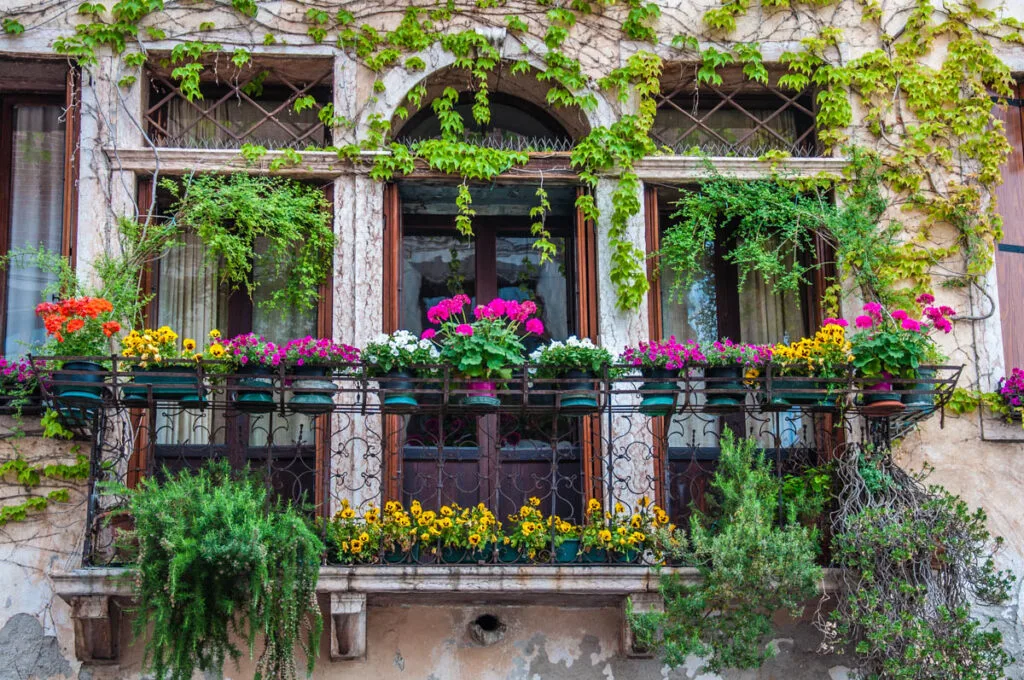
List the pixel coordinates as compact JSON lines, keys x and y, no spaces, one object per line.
{"x":348,"y":626}
{"x":642,"y":603}
{"x":97,"y":621}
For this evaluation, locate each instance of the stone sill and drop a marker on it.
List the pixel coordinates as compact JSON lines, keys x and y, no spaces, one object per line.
{"x":479,"y":580}
{"x":327,"y":165}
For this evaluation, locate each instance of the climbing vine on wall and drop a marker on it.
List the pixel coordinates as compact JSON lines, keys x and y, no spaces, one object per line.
{"x":906,"y":94}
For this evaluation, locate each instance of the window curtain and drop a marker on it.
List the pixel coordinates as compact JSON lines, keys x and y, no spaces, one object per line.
{"x":36,"y":214}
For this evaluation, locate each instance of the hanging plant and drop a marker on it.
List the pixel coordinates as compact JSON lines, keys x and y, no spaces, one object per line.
{"x":280,"y":226}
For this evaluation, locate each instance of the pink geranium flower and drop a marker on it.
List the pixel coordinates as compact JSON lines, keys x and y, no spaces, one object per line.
{"x":534,"y":326}
{"x":863,"y":321}
{"x":428,"y":334}
{"x":464,"y":329}
{"x":911,"y":325}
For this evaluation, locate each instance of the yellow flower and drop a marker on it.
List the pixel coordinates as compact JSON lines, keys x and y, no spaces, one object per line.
{"x":348,"y":513}
{"x":446,"y":511}
{"x":364,"y":537}
{"x":636,"y":521}
{"x":214,"y":334}
{"x":424,"y":537}
{"x":356,"y":545}
{"x":415,"y":508}
{"x":643,"y":502}
{"x":445,"y":522}
{"x":216,"y":350}
{"x":534,"y":501}
{"x":619,"y":509}
{"x":594,"y":505}
{"x":528,"y":528}
{"x":189,"y":344}
{"x":604,"y":535}
{"x":474,"y":540}
{"x":565,"y":527}
{"x":637,"y":537}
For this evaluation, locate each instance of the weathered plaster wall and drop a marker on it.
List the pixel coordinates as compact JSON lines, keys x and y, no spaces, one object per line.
{"x":431,"y":640}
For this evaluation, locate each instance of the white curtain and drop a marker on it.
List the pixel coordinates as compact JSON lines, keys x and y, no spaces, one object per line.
{"x":36,"y":214}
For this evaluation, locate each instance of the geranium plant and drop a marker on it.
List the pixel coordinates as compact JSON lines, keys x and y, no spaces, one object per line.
{"x":558,"y":357}
{"x":81,"y":326}
{"x":400,"y":351}
{"x":310,"y":351}
{"x":488,"y":347}
{"x":894,"y":344}
{"x":19,"y":381}
{"x":667,"y":354}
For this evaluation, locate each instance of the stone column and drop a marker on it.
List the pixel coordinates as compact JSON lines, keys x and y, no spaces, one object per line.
{"x":627,"y":444}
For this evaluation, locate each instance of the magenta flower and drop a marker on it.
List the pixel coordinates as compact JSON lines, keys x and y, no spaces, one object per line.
{"x":529,"y":308}
{"x":534,"y":326}
{"x":925,"y":299}
{"x":900,"y":314}
{"x":863,"y":321}
{"x":943,"y":325}
{"x":464,"y":329}
{"x":428,"y":334}
{"x":835,"y":322}
{"x":496,"y":307}
{"x":911,"y":325}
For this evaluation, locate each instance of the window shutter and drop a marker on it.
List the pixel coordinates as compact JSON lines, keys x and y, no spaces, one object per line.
{"x":1010,"y":251}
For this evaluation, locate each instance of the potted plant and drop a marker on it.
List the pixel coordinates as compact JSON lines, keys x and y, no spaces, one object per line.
{"x":487,"y":349}
{"x":797,"y":364}
{"x":398,"y":534}
{"x":890,"y":347}
{"x":311,"y":359}
{"x":660,"y":364}
{"x":482,"y":530}
{"x":356,"y":540}
{"x":164,"y":369}
{"x":577,"y":364}
{"x":400,"y":358}
{"x":79,"y":327}
{"x":1011,"y":393}
{"x":255,"y":358}
{"x":921,"y":395}
{"x":628,"y":530}
{"x":727,"y":365}
{"x":595,"y":536}
{"x":19,"y":385}
{"x":526,"y":531}
{"x":566,"y":539}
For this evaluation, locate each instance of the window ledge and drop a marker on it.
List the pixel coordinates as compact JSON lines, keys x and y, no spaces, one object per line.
{"x":689,"y":168}
{"x":477,"y":580}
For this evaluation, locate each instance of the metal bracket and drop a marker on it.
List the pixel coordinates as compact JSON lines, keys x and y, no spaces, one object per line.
{"x":97,"y":620}
{"x":348,"y":626}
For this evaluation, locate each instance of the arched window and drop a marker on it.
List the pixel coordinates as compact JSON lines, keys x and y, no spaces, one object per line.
{"x":516,"y":124}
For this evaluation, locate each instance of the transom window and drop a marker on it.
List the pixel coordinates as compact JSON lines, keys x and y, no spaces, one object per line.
{"x":740,"y":117}
{"x":272,"y":103}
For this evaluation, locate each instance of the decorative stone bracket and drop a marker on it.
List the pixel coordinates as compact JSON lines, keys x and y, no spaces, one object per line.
{"x":642,"y":603}
{"x":348,"y":626}
{"x":97,"y":628}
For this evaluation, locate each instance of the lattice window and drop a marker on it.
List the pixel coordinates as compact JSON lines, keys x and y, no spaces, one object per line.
{"x":255,"y":104}
{"x":737,"y":118}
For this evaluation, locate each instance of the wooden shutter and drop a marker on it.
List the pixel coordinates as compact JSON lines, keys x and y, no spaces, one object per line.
{"x":1010,"y":251}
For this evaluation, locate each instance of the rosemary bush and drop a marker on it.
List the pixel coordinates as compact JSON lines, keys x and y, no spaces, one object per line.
{"x":216,"y":558}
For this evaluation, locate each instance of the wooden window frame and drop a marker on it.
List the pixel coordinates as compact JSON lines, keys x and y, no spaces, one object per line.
{"x":70,"y":99}
{"x":582,"y":282}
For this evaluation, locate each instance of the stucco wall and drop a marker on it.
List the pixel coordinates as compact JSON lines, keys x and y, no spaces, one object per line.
{"x":430,"y":640}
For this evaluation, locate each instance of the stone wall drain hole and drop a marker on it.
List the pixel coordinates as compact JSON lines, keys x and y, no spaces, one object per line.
{"x":487,"y":629}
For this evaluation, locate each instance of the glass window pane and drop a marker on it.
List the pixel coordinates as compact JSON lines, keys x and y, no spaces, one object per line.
{"x":521,"y":276}
{"x":37,"y":214}
{"x":434,"y":267}
{"x":691,"y":313}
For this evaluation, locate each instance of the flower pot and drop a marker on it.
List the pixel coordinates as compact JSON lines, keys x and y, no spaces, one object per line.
{"x":792,"y":391}
{"x":923,"y":394}
{"x":658,"y":391}
{"x":401,"y":556}
{"x":879,"y":400}
{"x":568,"y":550}
{"x":593,"y":555}
{"x":259,"y":395}
{"x":312,"y":402}
{"x":398,"y":392}
{"x":627,"y":557}
{"x":483,"y":395}
{"x":452,"y":555}
{"x":578,"y":396}
{"x":165,"y":383}
{"x":509,"y":555}
{"x":90,"y":377}
{"x":725,"y":386}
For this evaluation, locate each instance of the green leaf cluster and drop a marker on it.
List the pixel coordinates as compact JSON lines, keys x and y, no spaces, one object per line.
{"x":216,"y":556}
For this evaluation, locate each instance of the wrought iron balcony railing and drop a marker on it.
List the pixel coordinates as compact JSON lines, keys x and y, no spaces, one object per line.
{"x":344,"y":436}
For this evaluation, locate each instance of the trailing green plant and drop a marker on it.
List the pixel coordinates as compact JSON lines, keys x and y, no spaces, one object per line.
{"x":915,"y":559}
{"x":750,"y":567}
{"x":280,"y":226}
{"x":29,"y":477}
{"x":216,"y":556}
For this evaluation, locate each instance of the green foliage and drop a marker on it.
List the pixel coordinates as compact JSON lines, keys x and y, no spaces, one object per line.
{"x":53,"y":426}
{"x":235,"y":214}
{"x":750,"y":566}
{"x":30,"y":477}
{"x":12,"y":26}
{"x":915,"y":558}
{"x":216,"y":556}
